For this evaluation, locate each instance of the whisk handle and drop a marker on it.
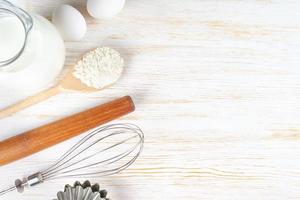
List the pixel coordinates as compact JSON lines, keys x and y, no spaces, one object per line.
{"x":46,"y":136}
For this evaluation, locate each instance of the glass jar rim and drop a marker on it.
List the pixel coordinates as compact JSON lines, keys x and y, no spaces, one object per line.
{"x":26,"y":21}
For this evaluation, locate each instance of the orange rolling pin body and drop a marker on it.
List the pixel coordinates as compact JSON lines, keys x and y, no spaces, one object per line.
{"x":33,"y":141}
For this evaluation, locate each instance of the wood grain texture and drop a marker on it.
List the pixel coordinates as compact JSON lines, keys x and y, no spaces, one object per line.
{"x":216,"y":86}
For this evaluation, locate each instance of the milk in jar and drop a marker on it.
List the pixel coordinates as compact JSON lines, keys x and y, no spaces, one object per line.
{"x":32,"y":52}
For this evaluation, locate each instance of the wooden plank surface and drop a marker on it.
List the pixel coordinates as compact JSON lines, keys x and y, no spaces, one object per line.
{"x":217,"y":89}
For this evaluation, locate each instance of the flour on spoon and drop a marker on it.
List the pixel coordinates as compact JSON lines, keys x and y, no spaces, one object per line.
{"x":99,"y":68}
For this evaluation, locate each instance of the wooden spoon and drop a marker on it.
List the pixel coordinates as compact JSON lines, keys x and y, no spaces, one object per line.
{"x":68,"y":82}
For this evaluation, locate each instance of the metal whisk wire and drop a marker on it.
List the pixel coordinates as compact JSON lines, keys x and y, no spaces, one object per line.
{"x":65,"y":162}
{"x":121,"y":144}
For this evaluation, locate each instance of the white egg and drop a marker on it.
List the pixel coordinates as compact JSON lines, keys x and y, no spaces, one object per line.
{"x":104,"y":8}
{"x":69,"y":22}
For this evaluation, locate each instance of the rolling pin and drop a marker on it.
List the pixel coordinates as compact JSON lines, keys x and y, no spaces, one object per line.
{"x":33,"y":141}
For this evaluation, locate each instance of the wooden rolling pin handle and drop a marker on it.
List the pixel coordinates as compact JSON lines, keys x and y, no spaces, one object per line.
{"x":46,"y":136}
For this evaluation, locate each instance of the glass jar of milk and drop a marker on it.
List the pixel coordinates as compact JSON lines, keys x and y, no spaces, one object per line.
{"x":32,"y":52}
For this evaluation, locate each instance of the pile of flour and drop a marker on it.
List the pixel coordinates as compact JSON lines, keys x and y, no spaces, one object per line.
{"x":100,"y":67}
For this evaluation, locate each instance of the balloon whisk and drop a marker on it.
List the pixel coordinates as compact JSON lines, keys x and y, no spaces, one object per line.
{"x":102,"y":152}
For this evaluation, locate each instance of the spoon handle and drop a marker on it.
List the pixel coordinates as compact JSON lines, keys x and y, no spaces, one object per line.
{"x":37,"y":98}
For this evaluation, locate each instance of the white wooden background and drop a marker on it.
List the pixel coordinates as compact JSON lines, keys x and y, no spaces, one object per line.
{"x":217,"y":90}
